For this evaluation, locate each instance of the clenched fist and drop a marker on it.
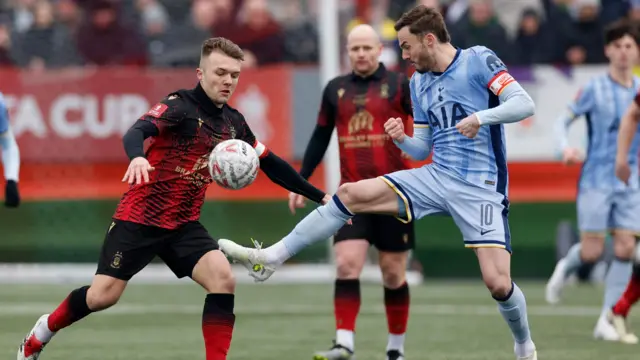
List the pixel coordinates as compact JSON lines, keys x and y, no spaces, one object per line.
{"x":395,"y":128}
{"x":469,"y":126}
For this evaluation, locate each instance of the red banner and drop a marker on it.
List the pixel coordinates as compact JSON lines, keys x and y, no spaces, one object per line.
{"x":81,"y":115}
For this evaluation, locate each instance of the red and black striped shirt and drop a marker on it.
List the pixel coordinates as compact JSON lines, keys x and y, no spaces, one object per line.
{"x":187,"y":128}
{"x":358,"y":107}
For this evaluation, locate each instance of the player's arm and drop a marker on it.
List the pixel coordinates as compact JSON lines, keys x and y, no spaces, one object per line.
{"x":321,"y":136}
{"x":628,"y":127}
{"x":161,"y":116}
{"x":10,"y":158}
{"x":515,"y":103}
{"x":581,"y":105}
{"x":419,"y":146}
{"x":280,"y":172}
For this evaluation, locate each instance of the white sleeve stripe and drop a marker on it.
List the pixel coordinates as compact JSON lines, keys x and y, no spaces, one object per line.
{"x":260,"y":148}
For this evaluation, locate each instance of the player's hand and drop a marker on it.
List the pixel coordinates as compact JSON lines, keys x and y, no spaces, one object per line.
{"x":469,"y":126}
{"x":570,"y":156}
{"x":138,"y":171}
{"x":11,"y":194}
{"x":394,"y":127}
{"x":296,"y":201}
{"x":623,"y":171}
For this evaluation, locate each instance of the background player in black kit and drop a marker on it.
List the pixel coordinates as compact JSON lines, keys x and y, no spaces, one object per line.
{"x":158,"y":215}
{"x":358,"y":104}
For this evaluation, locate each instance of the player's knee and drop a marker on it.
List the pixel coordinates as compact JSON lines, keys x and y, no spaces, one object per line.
{"x":213,"y":272}
{"x":393,"y":277}
{"x":353,"y":194}
{"x":393,"y":268}
{"x":499,"y":285}
{"x":348,"y":267}
{"x":225,"y":281}
{"x":102,"y":297}
{"x":592,"y":248}
{"x":624,"y":246}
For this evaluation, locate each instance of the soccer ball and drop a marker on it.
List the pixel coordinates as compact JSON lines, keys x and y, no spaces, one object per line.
{"x":234,"y":164}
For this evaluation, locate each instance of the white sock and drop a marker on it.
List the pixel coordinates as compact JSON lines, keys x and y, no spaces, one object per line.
{"x":319,"y":225}
{"x":396,"y":342}
{"x":42,"y":332}
{"x":345,"y":338}
{"x":525,"y":349}
{"x":277,"y":253}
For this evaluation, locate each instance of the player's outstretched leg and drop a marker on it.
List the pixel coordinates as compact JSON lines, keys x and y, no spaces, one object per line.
{"x":370,"y":196}
{"x":103,"y":293}
{"x":495,"y":265}
{"x":396,"y":301}
{"x":213,"y":273}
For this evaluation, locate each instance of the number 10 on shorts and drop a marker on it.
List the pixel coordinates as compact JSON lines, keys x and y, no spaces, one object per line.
{"x":486,"y":218}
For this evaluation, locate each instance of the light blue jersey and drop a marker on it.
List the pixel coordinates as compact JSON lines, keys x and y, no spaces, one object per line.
{"x":468,"y":176}
{"x":4,"y":115}
{"x":442,"y":100}
{"x":603,"y":102}
{"x":604,"y":202}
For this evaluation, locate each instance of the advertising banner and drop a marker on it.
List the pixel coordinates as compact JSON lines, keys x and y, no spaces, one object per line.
{"x":80,"y":115}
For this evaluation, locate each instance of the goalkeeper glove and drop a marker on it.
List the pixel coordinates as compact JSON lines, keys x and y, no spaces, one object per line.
{"x":11,"y":194}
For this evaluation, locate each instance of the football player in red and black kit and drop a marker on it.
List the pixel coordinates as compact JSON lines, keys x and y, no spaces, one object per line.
{"x":159,"y":213}
{"x":358,"y":105}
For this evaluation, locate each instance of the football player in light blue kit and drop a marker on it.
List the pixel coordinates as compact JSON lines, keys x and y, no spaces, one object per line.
{"x":10,"y":158}
{"x":461,"y":98}
{"x":605,"y":204}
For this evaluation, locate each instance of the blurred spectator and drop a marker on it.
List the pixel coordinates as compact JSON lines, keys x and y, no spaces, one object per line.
{"x":6,"y":59}
{"x":23,"y":15}
{"x":154,"y":18}
{"x":535,"y":40}
{"x":69,"y":14}
{"x":105,"y":40}
{"x":300,"y":35}
{"x":46,"y":44}
{"x":479,"y":26}
{"x":585,"y":43}
{"x":259,"y":35}
{"x":180,"y":46}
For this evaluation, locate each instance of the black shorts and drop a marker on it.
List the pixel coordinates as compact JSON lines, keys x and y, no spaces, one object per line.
{"x":128,"y":247}
{"x":384,"y":232}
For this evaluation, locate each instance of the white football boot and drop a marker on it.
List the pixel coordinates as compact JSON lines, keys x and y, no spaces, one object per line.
{"x":528,"y":348}
{"x":31,"y":348}
{"x":556,"y":283}
{"x":604,"y":330}
{"x":533,"y":356}
{"x":619,"y":324}
{"x":252,"y":259}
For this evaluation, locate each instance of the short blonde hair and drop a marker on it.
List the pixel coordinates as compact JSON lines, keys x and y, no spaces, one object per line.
{"x":223,"y":45}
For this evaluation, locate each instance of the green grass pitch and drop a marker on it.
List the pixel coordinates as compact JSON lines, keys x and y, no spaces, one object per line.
{"x":449,"y":320}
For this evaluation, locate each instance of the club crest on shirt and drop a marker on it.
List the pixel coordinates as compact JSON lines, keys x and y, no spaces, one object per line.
{"x":362,"y":120}
{"x":384,"y":91}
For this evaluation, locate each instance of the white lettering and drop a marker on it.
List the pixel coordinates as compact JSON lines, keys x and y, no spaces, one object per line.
{"x":59,"y":110}
{"x":26,"y":116}
{"x":131,"y":107}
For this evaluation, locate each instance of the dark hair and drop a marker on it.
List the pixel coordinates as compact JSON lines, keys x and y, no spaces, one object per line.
{"x":223,"y":45}
{"x":422,"y":20}
{"x":619,"y":29}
